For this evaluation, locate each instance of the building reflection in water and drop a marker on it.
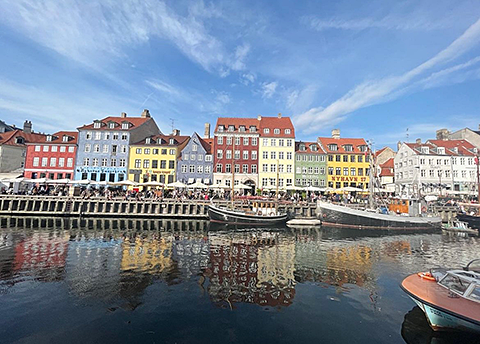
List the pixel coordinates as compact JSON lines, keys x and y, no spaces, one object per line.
{"x":251,"y":267}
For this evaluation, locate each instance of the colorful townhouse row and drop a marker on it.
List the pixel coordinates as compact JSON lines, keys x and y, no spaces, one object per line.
{"x":260,"y":152}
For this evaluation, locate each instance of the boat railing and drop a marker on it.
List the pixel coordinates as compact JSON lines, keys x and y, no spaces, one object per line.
{"x":463,"y":283}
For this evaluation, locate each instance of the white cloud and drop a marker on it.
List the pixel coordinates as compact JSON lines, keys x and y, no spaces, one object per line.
{"x":239,"y":59}
{"x":93,"y":33}
{"x":247,"y":78}
{"x":223,"y":97}
{"x":268,"y":89}
{"x":373,"y":92}
{"x":163,"y":87}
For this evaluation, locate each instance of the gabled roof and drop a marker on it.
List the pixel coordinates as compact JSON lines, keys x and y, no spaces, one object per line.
{"x":281,"y":123}
{"x":341,"y":143}
{"x":452,"y":147}
{"x":9,"y":138}
{"x":387,"y":168}
{"x":308,"y":149}
{"x":134,"y":121}
{"x":179,"y":139}
{"x":57,"y":138}
{"x":237,"y":122}
{"x":206,"y":144}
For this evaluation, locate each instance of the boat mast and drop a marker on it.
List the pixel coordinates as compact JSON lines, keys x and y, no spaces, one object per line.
{"x":371,"y":178}
{"x":478,"y":181}
{"x":232,"y":192}
{"x":276,"y":193}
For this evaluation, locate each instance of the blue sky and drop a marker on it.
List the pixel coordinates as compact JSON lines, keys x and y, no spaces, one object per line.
{"x":381,"y":70}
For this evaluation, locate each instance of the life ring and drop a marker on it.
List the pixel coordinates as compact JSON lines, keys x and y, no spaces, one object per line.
{"x":427,"y":276}
{"x":271,"y":214}
{"x":424,"y":209}
{"x":259,"y":212}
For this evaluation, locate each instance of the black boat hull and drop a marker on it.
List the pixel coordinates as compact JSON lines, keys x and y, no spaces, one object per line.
{"x":336,"y":215}
{"x":220,"y":215}
{"x":473,"y":221}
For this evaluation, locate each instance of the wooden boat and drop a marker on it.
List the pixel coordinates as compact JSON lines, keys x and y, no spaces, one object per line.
{"x":473,"y":221}
{"x":343,"y":216}
{"x":260,"y":215}
{"x":450,"y":299}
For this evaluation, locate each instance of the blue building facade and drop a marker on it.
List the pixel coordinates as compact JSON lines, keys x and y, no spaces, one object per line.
{"x":196,"y":161}
{"x":103,"y":146}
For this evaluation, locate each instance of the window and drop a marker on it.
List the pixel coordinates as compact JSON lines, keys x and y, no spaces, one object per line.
{"x":122,"y":163}
{"x":353,"y":171}
{"x":88,"y":135}
{"x":105,"y":148}
{"x":322,"y":170}
{"x":228,"y":168}
{"x":44,"y":162}
{"x":245,"y":141}
{"x":172,"y":151}
{"x":264,"y":181}
{"x":253,"y":129}
{"x":62,"y":149}
{"x":87,"y":148}
{"x":360,"y":158}
{"x":289,"y":155}
{"x":207,"y":169}
{"x":345,"y":171}
{"x":254,"y":168}
{"x":237,"y":168}
{"x":125,"y":125}
{"x":146,"y":151}
{"x":71,"y":149}
{"x":228,"y":154}
{"x":113,"y":162}
{"x":138,"y":163}
{"x":315,"y":170}
{"x":360,"y":171}
{"x":273,"y":142}
{"x":124,"y":136}
{"x":163,"y":164}
{"x":310,"y":170}
{"x":281,"y":155}
{"x":221,"y":128}
{"x":345,"y":158}
{"x":266,"y":131}
{"x":86,"y":161}
{"x":104,"y":162}
{"x":36,"y":161}
{"x":171,"y":164}
{"x":231,"y":128}
{"x":245,"y":155}
{"x":69,"y":162}
{"x":208,"y":157}
{"x":254,"y":155}
{"x":273,"y":168}
{"x":298,"y":169}
{"x":186,"y":156}
{"x":183,"y":168}
{"x":200,"y":169}
{"x":229,"y":141}
{"x":338,"y":171}
{"x":245,"y":168}
{"x":191,"y":168}
{"x":193,"y":157}
{"x":219,"y":168}
{"x":281,"y":142}
{"x":254,"y":141}
{"x":115,"y":136}
{"x":45,"y":148}
{"x":289,"y":169}
{"x":265,"y":155}
{"x":273,"y":155}
{"x":264,"y":167}
{"x":53,"y":162}
{"x":98,"y":135}
{"x":288,"y":131}
{"x":289,"y":143}
{"x":237,"y":141}
{"x":219,"y":154}
{"x":61,"y":162}
{"x":220,"y":140}
{"x":237,"y":155}
{"x":276,"y":131}
{"x":107,"y":136}
{"x":96,"y":125}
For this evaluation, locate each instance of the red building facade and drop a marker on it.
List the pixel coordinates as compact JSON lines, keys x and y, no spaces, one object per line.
{"x":53,"y":158}
{"x":235,"y":151}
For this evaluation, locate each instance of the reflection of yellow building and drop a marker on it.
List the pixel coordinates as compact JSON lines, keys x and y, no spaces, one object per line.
{"x":349,"y":264}
{"x":347,"y":161}
{"x":155,"y":158}
{"x":147,"y":255}
{"x":276,"y":264}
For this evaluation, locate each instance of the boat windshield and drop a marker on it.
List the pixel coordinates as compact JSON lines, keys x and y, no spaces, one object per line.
{"x":455,"y":283}
{"x":475,"y":294}
{"x":464,"y":283}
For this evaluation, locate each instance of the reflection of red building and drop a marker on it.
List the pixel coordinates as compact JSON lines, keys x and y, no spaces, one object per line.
{"x":43,"y":255}
{"x":235,"y":277}
{"x":53,"y":157}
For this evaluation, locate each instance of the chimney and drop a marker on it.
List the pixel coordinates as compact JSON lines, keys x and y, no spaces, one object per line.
{"x":336,"y":133}
{"x":399,"y":144}
{"x":418,"y":141}
{"x":442,"y":134}
{"x":479,"y":127}
{"x":259,"y":117}
{"x":146,"y":114}
{"x":27,"y":127}
{"x":123,"y":115}
{"x":176,"y":132}
{"x":206,"y":135}
{"x":279,"y":115}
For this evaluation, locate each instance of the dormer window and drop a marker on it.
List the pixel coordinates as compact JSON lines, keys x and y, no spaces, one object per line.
{"x":231,"y":128}
{"x":425,"y":150}
{"x":242,"y":128}
{"x":19,"y":140}
{"x":313,"y":148}
{"x":159,"y":141}
{"x":288,"y":131}
{"x":475,"y":150}
{"x":65,"y":138}
{"x":148,"y":140}
{"x":276,"y":131}
{"x":221,"y":128}
{"x":266,"y":131}
{"x":441,"y":150}
{"x":111,"y":125}
{"x":348,"y":148}
{"x":97,"y":125}
{"x":333,"y":147}
{"x":302,"y":147}
{"x":172,"y":141}
{"x":125,"y":125}
{"x":455,"y":150}
{"x":49,"y":138}
{"x":253,"y":129}
{"x":362,"y":148}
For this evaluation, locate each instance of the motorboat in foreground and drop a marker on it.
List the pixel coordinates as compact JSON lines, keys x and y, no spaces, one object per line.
{"x":261,"y":214}
{"x":450,"y":299}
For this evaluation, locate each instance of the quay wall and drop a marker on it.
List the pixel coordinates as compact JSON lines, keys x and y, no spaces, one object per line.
{"x":15,"y":205}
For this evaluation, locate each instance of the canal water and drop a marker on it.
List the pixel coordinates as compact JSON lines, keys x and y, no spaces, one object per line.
{"x":121,"y":281}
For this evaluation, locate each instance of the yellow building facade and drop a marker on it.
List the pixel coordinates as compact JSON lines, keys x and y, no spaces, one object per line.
{"x":276,"y":153}
{"x":348,"y":161}
{"x":154,"y":159}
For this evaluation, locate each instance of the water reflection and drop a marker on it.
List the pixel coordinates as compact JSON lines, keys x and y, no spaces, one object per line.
{"x":116,"y":262}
